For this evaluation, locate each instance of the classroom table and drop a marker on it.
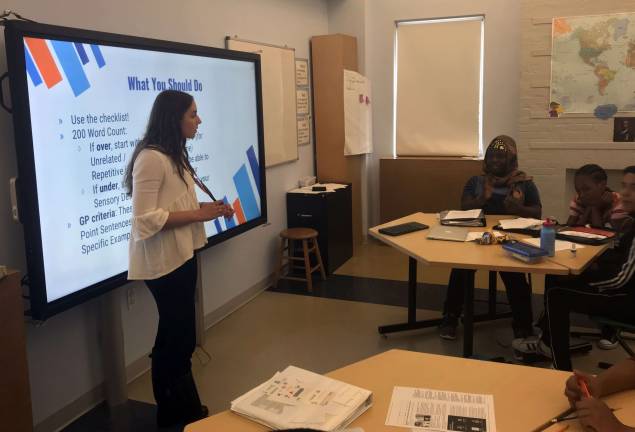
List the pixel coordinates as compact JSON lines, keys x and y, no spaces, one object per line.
{"x":467,"y":255}
{"x":524,"y":397}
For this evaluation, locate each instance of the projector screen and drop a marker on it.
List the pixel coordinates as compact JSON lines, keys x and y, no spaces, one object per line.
{"x":81,"y":102}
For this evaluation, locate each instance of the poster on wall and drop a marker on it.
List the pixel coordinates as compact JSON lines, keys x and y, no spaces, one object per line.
{"x":304,"y":130}
{"x":302,"y":99}
{"x":301,"y":72}
{"x":357,"y":114}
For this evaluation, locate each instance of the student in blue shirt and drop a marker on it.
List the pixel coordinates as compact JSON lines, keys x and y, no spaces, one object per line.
{"x":504,"y":190}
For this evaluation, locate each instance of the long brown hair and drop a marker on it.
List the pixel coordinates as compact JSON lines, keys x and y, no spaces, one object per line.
{"x":164,"y":133}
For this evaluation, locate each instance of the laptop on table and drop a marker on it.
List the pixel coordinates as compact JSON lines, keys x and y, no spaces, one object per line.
{"x":450,"y":233}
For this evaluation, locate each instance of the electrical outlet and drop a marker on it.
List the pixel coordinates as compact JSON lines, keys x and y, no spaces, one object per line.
{"x":130,"y":296}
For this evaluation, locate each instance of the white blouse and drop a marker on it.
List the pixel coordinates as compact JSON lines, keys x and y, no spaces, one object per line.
{"x":157,"y":190}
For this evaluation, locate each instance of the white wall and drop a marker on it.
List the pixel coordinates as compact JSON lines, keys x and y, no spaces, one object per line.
{"x":63,"y":354}
{"x":501,"y":71}
{"x":349,"y":17}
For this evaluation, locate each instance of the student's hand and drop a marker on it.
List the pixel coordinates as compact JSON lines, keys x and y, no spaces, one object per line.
{"x":572,"y":389}
{"x":211,"y":210}
{"x":595,"y":415}
{"x":603,"y":201}
{"x":512,"y":205}
{"x":488,"y":189}
{"x":606,"y":200}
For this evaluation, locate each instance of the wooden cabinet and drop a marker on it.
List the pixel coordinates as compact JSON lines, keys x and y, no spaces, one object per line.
{"x":15,"y":393}
{"x":330,"y":55}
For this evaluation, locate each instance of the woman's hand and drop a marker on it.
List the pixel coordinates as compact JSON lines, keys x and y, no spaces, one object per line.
{"x":596,"y":416}
{"x":212,"y":210}
{"x":572,"y":389}
{"x":229,"y":211}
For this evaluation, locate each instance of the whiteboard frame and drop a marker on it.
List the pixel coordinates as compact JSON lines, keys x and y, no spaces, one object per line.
{"x":287,"y":158}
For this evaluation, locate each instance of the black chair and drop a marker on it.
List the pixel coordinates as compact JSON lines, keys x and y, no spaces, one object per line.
{"x":618,"y":326}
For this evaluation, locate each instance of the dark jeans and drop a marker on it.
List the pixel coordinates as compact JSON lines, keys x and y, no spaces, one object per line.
{"x":176,"y":335}
{"x":518,"y":294}
{"x":564,"y":295}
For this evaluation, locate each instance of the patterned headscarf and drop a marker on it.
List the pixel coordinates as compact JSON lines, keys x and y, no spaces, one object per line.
{"x":506,"y":144}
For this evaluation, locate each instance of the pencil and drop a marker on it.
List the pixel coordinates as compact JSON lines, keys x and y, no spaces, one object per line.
{"x":584,"y":387}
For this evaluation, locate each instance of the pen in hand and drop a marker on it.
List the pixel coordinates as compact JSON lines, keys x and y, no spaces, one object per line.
{"x":583,"y":387}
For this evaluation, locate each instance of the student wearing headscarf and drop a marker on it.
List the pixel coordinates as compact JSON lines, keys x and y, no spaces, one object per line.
{"x":502,"y":189}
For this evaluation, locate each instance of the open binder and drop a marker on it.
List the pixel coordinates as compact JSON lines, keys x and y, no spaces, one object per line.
{"x":297,"y":398}
{"x":586,"y":235}
{"x":468,"y":218}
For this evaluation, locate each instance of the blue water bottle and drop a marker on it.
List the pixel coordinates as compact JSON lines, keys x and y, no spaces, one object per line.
{"x":548,"y":237}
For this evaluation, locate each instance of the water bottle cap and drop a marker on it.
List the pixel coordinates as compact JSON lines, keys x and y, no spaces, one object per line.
{"x":549,"y":222}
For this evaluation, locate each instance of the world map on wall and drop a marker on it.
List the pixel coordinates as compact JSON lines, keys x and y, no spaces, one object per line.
{"x":593,"y":62}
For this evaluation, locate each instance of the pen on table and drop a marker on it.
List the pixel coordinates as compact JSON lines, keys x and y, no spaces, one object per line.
{"x":546,"y":425}
{"x":566,"y":415}
{"x":573,"y":417}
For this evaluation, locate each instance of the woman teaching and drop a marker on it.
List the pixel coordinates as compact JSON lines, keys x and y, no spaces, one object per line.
{"x":167,"y":229}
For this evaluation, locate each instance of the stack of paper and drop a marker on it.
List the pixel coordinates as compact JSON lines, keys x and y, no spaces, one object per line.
{"x":520,"y":223}
{"x":330,"y":187}
{"x":560,"y":244}
{"x":583,"y":235}
{"x":296,"y":398}
{"x":464,"y":218}
{"x":441,"y":411}
{"x":462,"y":214}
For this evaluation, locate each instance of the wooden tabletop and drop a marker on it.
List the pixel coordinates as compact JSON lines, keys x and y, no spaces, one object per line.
{"x":583,"y":257}
{"x":473,"y":256}
{"x":467,"y":255}
{"x":524,"y":397}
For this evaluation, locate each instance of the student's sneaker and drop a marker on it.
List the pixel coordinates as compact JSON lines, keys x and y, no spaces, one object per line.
{"x":608,"y":341}
{"x":608,"y":344}
{"x":447,"y":328}
{"x":531,"y":349}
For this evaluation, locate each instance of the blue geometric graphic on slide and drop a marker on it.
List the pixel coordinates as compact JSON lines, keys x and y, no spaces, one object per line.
{"x":71,"y":56}
{"x":246,"y":203}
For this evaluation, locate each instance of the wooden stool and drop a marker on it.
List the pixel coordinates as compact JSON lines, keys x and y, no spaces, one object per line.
{"x":287,"y":237}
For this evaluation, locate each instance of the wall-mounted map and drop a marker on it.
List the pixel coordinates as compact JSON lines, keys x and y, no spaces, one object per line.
{"x":593,"y":62}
